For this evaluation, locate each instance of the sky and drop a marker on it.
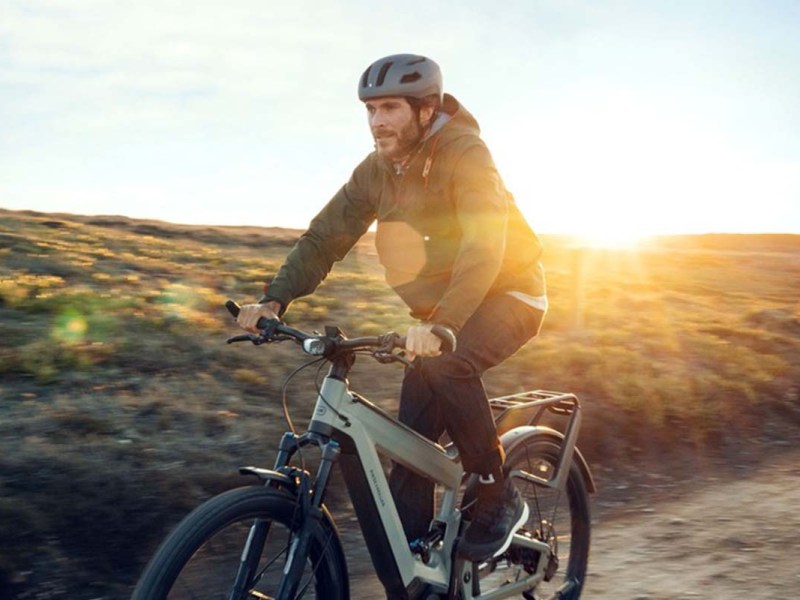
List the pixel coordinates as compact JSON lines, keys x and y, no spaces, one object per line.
{"x":604,"y":118}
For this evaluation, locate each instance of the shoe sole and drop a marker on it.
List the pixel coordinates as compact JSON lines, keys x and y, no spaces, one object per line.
{"x":522,"y":520}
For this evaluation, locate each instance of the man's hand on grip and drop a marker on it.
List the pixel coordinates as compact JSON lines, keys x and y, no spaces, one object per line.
{"x":420,"y":341}
{"x":249,"y":315}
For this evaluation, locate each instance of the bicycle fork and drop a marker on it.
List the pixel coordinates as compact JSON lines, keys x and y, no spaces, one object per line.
{"x":251,"y":554}
{"x":309,"y":514}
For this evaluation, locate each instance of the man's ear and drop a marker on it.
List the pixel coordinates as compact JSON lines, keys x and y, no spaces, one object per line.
{"x":425,"y":115}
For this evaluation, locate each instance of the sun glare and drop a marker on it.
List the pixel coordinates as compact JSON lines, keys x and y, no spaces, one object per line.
{"x":619,"y":240}
{"x":621,"y":172}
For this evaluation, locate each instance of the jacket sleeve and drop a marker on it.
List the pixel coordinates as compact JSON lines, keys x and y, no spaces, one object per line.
{"x":481,"y":205}
{"x":330,"y":236}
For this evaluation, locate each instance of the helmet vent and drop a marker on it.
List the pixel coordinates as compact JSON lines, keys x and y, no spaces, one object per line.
{"x":411,"y":77}
{"x":382,"y":73}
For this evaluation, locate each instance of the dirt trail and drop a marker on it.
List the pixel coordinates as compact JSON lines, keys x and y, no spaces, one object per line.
{"x":731,"y":539}
{"x":728,"y":539}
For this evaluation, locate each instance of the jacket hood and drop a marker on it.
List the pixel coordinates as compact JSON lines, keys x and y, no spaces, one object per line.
{"x":453,"y":122}
{"x":457,"y":121}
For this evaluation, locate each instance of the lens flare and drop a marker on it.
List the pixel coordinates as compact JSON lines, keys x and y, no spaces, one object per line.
{"x":177,"y":300}
{"x":71,"y":327}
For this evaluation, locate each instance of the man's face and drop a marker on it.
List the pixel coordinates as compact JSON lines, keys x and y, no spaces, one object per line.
{"x":394,"y":126}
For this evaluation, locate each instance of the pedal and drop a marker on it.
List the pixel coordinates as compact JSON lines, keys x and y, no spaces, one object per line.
{"x":422,"y":546}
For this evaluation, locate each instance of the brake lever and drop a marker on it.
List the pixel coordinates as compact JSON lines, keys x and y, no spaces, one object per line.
{"x":262,"y":338}
{"x":247,"y":337}
{"x":384,"y":353}
{"x":385,"y":357}
{"x":401,"y":358}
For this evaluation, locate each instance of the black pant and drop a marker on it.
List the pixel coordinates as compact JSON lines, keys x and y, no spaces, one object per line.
{"x":445,"y":393}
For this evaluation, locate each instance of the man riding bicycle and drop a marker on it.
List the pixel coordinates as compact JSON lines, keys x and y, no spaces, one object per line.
{"x":457,"y":250}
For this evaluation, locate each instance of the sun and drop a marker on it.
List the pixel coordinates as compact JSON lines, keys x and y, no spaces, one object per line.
{"x":614,"y":239}
{"x":607,"y":232}
{"x":621,"y":172}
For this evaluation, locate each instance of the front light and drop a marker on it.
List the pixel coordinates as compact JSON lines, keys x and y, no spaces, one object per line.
{"x":314,"y":346}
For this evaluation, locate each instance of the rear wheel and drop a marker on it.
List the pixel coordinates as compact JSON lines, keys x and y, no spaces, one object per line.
{"x":202,"y":558}
{"x":558,"y":518}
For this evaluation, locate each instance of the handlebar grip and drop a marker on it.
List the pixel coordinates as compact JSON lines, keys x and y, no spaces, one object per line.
{"x":447,"y":336}
{"x":234,"y":309}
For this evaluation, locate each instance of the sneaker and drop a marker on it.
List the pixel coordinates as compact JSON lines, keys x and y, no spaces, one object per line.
{"x":496,"y":520}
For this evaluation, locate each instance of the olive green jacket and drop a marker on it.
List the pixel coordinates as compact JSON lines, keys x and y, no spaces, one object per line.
{"x":448,"y":232}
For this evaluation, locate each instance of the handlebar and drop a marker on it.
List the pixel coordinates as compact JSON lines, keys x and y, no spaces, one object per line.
{"x":333,"y":341}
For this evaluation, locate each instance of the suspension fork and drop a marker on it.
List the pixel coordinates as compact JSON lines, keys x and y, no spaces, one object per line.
{"x":310,"y":514}
{"x":248,"y":564}
{"x":247,"y":575}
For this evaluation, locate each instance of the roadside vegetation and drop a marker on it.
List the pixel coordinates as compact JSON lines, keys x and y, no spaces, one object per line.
{"x":122,"y":407}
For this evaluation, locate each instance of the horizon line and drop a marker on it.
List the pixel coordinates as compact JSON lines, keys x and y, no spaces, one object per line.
{"x":562,"y":233}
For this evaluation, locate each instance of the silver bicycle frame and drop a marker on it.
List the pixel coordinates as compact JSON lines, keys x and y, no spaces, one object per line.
{"x":372,"y":433}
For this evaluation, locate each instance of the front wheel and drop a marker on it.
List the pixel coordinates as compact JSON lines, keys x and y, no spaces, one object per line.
{"x":558,"y":518}
{"x":235,"y":546}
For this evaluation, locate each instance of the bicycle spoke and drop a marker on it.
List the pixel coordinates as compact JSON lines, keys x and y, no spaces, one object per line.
{"x":559,"y":519}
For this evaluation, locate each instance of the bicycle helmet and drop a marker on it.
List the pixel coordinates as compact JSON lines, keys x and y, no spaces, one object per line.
{"x":407,"y":75}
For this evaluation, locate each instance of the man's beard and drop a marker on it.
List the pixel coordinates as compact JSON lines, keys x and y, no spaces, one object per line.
{"x":407,"y":139}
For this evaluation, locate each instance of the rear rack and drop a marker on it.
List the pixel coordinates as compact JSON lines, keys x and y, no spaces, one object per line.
{"x":527,"y":408}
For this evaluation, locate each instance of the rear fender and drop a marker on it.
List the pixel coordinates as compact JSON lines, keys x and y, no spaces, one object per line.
{"x":512,"y":438}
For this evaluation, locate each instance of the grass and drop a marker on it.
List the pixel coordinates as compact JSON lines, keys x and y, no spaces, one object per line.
{"x":121,"y":406}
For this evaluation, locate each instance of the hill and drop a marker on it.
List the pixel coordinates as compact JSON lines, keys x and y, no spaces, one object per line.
{"x":122,"y":407}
